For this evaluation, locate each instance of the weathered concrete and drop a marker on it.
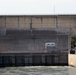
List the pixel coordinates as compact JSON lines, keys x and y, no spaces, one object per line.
{"x":24,"y":41}
{"x":28,"y":34}
{"x":64,"y":23}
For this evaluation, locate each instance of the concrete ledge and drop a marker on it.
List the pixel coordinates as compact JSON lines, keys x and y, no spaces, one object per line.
{"x":72,"y":59}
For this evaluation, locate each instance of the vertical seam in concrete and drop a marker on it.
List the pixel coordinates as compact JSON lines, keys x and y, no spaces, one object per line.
{"x":41,"y":22}
{"x":18,"y":24}
{"x":56,"y":32}
{"x":5,"y":22}
{"x":31,"y":23}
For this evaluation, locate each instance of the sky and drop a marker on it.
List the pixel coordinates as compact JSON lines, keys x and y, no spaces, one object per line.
{"x":37,"y":7}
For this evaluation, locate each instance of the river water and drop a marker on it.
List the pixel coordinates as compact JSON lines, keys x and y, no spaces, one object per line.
{"x":38,"y":70}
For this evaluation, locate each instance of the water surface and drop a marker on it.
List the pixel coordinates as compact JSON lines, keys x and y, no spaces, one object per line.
{"x":38,"y":70}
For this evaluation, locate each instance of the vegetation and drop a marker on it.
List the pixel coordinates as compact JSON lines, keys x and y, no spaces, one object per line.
{"x":73,"y":41}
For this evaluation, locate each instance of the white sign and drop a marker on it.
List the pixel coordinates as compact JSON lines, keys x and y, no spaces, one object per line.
{"x":50,"y":44}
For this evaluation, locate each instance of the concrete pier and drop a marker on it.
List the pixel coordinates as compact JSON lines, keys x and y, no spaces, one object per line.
{"x":72,"y":60}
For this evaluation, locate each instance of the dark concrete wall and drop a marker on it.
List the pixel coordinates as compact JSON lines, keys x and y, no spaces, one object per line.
{"x":32,"y":42}
{"x":33,"y":59}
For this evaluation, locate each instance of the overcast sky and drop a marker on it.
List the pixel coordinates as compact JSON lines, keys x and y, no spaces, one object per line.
{"x":37,"y":7}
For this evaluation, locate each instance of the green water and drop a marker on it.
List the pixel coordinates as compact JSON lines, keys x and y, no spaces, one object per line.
{"x":38,"y":70}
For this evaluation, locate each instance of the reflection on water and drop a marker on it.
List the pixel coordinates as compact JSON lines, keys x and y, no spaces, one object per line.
{"x":38,"y":70}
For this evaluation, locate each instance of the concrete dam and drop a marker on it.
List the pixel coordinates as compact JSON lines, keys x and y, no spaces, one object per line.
{"x":27,"y":40}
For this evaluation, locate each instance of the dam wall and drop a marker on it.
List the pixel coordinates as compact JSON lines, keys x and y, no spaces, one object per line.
{"x":35,"y":39}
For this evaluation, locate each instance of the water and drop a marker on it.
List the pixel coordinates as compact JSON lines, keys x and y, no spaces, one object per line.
{"x":38,"y":70}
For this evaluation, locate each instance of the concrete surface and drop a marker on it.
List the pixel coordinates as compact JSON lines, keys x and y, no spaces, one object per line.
{"x":72,"y":59}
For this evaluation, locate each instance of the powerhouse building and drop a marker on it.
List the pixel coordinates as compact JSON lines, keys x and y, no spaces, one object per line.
{"x":35,"y":39}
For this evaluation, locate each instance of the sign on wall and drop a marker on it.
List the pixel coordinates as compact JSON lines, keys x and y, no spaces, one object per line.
{"x":52,"y":44}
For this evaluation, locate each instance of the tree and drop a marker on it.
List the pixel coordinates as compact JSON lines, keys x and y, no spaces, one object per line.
{"x":73,"y":41}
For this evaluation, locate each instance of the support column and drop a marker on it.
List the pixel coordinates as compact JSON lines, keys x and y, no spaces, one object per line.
{"x":31,"y":23}
{"x":18,"y":24}
{"x":57,"y":32}
{"x":43,"y":59}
